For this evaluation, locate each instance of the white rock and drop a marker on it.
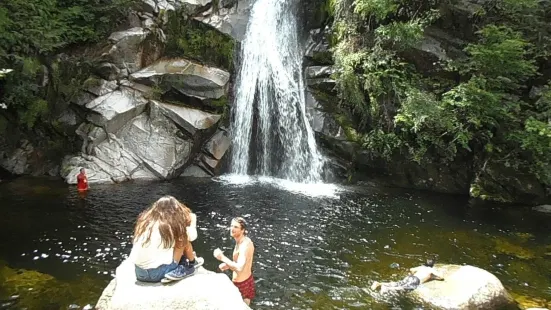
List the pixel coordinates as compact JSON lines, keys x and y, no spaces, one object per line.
{"x":543,"y":208}
{"x":463,"y":288}
{"x":205,"y":290}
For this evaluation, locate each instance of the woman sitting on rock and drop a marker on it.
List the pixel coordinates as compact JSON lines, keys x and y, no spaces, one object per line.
{"x":162,"y":242}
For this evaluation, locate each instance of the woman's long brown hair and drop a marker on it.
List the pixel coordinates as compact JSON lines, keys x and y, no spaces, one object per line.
{"x":172,"y":217}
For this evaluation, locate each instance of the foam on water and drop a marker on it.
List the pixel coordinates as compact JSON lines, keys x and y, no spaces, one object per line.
{"x":308,"y":189}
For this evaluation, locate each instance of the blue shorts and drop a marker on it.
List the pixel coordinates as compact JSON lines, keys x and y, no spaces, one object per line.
{"x":154,"y":274}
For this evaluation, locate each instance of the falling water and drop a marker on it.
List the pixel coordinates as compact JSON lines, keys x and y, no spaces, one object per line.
{"x":271,"y":132}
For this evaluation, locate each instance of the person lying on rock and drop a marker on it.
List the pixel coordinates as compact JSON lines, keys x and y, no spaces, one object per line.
{"x":242,"y":261}
{"x":162,"y":242}
{"x":417,"y":276}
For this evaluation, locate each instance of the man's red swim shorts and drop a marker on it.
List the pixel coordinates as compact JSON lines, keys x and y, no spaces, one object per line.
{"x":247,"y":288}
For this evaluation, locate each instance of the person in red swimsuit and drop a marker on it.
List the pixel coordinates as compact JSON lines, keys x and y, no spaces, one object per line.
{"x":242,"y":262}
{"x":82,"y":180}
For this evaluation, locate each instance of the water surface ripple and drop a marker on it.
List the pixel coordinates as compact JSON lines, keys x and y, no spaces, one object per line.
{"x":60,"y":249}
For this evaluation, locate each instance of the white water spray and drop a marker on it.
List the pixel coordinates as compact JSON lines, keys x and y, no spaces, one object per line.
{"x":270,"y":84}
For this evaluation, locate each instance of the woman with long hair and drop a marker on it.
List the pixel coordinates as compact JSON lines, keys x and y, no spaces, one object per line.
{"x":162,"y":242}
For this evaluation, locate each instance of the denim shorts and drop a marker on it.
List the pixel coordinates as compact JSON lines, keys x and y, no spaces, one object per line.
{"x":154,"y":274}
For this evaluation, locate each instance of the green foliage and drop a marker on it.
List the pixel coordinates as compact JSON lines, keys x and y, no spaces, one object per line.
{"x":380,"y":9}
{"x":43,"y":27}
{"x":155,"y":93}
{"x":32,"y":32}
{"x":195,"y":40}
{"x":481,"y":106}
{"x":501,"y":56}
{"x":220,"y":102}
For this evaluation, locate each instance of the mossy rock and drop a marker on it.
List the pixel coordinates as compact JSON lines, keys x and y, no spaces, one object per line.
{"x":526,"y":302}
{"x":38,"y":290}
{"x":524,"y":236}
{"x":505,"y":247}
{"x":195,"y":40}
{"x":323,"y":58}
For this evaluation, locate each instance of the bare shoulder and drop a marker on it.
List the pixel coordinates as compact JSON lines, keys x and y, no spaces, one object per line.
{"x":249,"y":244}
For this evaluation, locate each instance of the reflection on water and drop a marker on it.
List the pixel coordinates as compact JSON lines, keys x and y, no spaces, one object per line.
{"x":318,"y":252}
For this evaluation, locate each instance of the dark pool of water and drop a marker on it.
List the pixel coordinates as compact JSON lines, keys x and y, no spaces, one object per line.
{"x":60,"y":249}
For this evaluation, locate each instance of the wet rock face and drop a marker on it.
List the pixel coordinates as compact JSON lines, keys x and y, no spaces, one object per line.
{"x":130,"y":137}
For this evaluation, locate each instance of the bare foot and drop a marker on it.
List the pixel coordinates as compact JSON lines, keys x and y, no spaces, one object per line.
{"x":375,"y":285}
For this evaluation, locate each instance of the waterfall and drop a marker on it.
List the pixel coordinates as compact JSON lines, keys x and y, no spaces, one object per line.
{"x":271,"y":133}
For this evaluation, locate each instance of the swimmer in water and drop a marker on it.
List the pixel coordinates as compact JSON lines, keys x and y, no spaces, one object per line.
{"x":82,"y":181}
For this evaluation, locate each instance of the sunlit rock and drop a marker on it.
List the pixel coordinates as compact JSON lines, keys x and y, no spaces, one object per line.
{"x":147,"y":147}
{"x":205,"y":290}
{"x":543,"y":208}
{"x":463,"y":287}
{"x":191,"y":120}
{"x":114,"y":109}
{"x":100,"y":87}
{"x":126,"y":49}
{"x":185,"y":76}
{"x":231,"y":18}
{"x":218,"y":144}
{"x":190,"y":6}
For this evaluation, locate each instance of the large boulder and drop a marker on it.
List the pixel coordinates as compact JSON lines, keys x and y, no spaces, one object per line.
{"x":230,"y":18}
{"x":126,"y":49}
{"x":154,"y":145}
{"x":205,"y":290}
{"x":186,"y":77}
{"x":147,"y":147}
{"x":112,"y":110}
{"x":463,"y":288}
{"x":190,"y":6}
{"x":191,"y":120}
{"x":218,"y":145}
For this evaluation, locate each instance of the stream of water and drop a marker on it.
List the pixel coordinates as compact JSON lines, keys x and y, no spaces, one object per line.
{"x":270,"y":129}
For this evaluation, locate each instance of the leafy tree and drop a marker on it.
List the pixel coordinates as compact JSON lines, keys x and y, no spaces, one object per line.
{"x":33,"y":32}
{"x":481,"y":105}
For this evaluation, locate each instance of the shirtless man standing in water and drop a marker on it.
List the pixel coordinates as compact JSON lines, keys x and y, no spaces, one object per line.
{"x":417,"y":276}
{"x":242,"y":262}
